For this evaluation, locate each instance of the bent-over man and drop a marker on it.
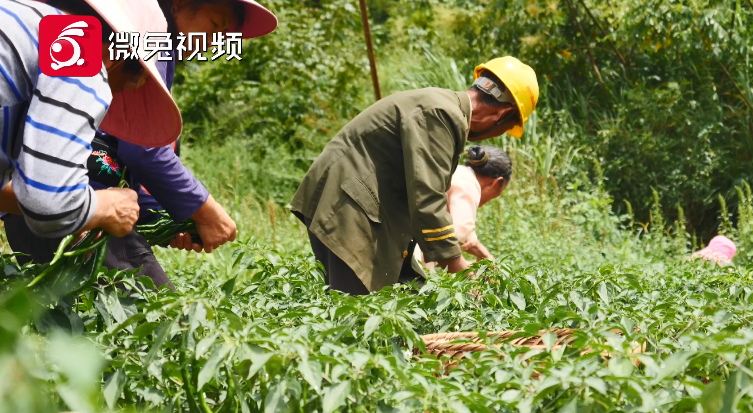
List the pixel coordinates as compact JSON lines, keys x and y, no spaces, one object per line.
{"x":380,"y":186}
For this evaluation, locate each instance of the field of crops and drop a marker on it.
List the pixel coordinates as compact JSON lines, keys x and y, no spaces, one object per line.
{"x":252,"y":326}
{"x":253,"y":329}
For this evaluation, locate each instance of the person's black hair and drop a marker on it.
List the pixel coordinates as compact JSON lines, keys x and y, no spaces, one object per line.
{"x":167,"y":6}
{"x":82,"y":8}
{"x":489,"y":161}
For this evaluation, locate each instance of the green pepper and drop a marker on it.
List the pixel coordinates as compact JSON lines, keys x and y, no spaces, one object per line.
{"x":92,"y":247}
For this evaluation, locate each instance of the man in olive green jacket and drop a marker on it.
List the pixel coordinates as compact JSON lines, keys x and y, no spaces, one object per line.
{"x":382,"y":181}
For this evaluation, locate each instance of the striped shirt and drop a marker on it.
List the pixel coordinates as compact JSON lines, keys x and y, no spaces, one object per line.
{"x":47,"y":124}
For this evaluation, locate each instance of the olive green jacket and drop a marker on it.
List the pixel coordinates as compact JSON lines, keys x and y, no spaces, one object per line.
{"x":383,"y":181}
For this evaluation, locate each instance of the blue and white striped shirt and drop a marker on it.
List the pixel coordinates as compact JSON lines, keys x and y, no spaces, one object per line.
{"x":47,"y":124}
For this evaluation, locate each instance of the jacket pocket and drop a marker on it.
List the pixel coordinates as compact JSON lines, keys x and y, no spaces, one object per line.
{"x":363,"y":196}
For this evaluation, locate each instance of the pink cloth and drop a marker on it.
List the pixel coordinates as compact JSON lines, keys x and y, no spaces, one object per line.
{"x":720,"y":250}
{"x":463,"y":200}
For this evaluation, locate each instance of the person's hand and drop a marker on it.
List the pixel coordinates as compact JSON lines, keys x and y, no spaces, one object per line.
{"x":183,"y":241}
{"x":117,"y":211}
{"x":214,"y":225}
{"x":454,"y":265}
{"x":484,"y":257}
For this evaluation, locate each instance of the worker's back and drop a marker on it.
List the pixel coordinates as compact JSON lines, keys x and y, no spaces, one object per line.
{"x":422,"y":131}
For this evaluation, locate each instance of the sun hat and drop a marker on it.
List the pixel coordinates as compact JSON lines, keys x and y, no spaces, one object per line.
{"x":259,"y":21}
{"x":720,"y":250}
{"x":147,"y":116}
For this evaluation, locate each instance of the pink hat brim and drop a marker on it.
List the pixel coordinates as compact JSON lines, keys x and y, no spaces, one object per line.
{"x":147,"y":116}
{"x":259,"y":21}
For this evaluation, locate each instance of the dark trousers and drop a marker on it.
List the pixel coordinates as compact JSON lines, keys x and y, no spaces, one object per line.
{"x":339,"y":276}
{"x":131,"y":251}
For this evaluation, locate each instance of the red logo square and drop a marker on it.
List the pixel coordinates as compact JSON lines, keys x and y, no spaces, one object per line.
{"x":70,"y":46}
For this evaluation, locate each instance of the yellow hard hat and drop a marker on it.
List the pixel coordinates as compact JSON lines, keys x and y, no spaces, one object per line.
{"x":520,"y":79}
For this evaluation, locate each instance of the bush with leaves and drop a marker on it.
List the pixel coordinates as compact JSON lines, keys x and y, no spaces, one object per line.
{"x":662,"y":88}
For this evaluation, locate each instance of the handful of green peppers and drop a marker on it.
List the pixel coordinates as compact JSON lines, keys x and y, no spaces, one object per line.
{"x":161,"y":231}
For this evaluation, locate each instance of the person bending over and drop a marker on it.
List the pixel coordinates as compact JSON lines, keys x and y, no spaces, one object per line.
{"x":380,"y":186}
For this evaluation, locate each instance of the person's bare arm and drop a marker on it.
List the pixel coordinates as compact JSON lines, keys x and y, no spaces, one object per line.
{"x":117,"y":209}
{"x":8,"y":201}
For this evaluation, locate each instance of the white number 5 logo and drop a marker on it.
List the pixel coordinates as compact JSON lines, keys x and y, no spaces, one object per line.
{"x":74,"y":29}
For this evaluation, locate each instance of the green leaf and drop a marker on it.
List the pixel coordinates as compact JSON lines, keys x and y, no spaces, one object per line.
{"x":604,"y":292}
{"x":112,"y":303}
{"x":571,"y":407}
{"x":334,"y":396}
{"x":130,"y":321}
{"x":511,"y":395}
{"x":152,"y":395}
{"x":712,"y":398}
{"x":258,"y":360}
{"x":518,"y":299}
{"x":76,"y":359}
{"x":162,"y":333}
{"x":597,"y":384}
{"x":621,"y":367}
{"x":196,"y":316}
{"x":75,"y":399}
{"x":209,"y":370}
{"x":143,"y":330}
{"x":672,"y":365}
{"x":114,"y":388}
{"x":730,"y":393}
{"x":371,"y":325}
{"x":238,"y":260}
{"x":229,"y":285}
{"x":549,"y":338}
{"x":459,"y":407}
{"x":204,"y":345}
{"x":311,"y":372}
{"x":274,"y":401}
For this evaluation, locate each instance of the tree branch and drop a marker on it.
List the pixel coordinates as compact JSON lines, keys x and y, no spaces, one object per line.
{"x":604,"y":34}
{"x":742,"y":94}
{"x":585,"y":39}
{"x":370,"y":49}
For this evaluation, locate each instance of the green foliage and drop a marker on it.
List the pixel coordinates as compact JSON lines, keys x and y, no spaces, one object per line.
{"x":656,"y":91}
{"x":662,"y":126}
{"x":254,"y":329}
{"x":277,"y":105}
{"x":662,"y":87}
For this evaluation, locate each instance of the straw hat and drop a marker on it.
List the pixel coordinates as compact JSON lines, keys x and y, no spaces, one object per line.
{"x":147,"y":116}
{"x":259,"y":21}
